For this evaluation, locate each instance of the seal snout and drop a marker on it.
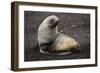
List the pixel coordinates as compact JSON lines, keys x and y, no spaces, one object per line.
{"x":53,"y":21}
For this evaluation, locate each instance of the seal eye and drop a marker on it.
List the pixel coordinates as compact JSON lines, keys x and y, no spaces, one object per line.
{"x":52,"y":21}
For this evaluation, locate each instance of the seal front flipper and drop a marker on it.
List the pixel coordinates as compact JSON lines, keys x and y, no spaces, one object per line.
{"x":36,"y":46}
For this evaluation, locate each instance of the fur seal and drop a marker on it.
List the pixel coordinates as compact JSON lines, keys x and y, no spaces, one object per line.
{"x":52,"y":41}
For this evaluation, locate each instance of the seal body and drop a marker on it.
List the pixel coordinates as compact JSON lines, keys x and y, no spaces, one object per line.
{"x":63,"y":42}
{"x":52,"y":41}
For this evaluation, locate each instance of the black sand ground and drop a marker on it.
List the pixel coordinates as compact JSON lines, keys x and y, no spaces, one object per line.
{"x":72,"y":24}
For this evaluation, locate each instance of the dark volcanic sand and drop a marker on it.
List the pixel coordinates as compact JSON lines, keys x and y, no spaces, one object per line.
{"x":72,"y":24}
